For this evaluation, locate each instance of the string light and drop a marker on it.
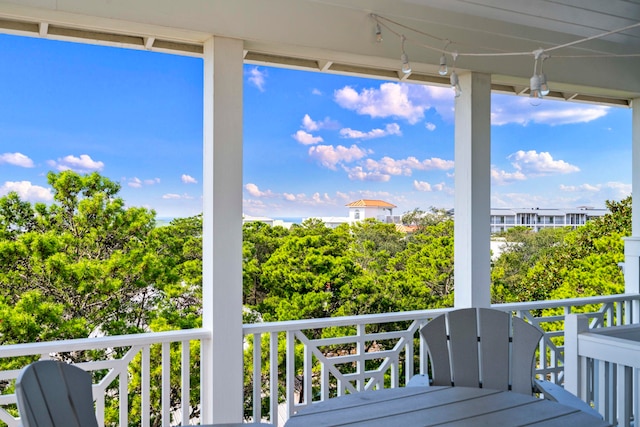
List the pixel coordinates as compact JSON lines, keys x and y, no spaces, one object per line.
{"x":443,"y":65}
{"x":378,"y":33}
{"x":404,"y":58}
{"x":453,"y":79}
{"x":544,"y":87}
{"x":538,"y":85}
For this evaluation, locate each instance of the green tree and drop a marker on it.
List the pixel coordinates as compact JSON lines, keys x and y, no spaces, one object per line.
{"x":523,"y":248}
{"x":586,"y":263}
{"x":305,"y":273}
{"x":86,"y":264}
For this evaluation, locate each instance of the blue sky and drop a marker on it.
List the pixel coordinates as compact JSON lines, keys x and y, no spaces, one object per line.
{"x":313,"y":142}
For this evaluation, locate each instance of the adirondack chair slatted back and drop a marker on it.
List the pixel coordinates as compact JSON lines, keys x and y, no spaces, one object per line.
{"x":482,"y":348}
{"x":55,"y":394}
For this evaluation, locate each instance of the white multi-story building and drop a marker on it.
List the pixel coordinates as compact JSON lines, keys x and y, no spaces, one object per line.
{"x":378,"y":209}
{"x":537,"y":219}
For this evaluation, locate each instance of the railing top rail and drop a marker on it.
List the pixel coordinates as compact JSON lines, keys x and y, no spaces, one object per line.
{"x":15,"y":350}
{"x":534,"y":305}
{"x":294,"y":325}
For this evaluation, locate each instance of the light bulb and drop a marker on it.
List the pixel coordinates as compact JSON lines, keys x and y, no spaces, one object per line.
{"x":544,"y":87}
{"x":378,"y":34}
{"x":535,"y":95}
{"x":455,"y":84}
{"x":443,"y":66}
{"x":406,"y":68}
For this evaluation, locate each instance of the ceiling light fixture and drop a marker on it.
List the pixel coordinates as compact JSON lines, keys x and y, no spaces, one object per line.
{"x":404,"y":58}
{"x":453,"y":79}
{"x":538,"y":83}
{"x":443,"y":65}
{"x":378,"y":33}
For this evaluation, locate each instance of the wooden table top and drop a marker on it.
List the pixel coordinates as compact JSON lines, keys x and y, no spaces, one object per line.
{"x":442,"y":406}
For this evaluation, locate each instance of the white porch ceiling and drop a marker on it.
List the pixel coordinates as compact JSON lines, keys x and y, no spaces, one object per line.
{"x":337,"y":35}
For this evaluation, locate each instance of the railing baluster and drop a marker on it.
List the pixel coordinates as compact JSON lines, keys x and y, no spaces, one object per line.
{"x":360,"y":351}
{"x":166,"y":384}
{"x":123,"y":378}
{"x":307,"y":378}
{"x":257,"y":377}
{"x":290,"y":372}
{"x":145,"y":385}
{"x":273,"y":378}
{"x":185,"y":390}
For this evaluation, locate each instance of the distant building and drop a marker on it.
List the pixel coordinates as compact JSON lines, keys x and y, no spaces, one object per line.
{"x":537,"y":219}
{"x":377,"y":209}
{"x":363,"y":209}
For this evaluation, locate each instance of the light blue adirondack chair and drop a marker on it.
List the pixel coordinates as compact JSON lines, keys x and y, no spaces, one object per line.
{"x":55,"y":394}
{"x":479,"y":347}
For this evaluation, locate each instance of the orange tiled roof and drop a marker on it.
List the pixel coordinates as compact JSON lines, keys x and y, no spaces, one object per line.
{"x":366,"y":203}
{"x":406,"y":228}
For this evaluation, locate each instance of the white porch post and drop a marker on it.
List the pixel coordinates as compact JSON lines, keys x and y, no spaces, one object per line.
{"x":221,"y":382}
{"x":472,"y":192}
{"x":632,"y":244}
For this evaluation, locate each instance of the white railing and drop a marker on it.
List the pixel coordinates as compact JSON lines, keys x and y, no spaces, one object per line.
{"x":290,"y":365}
{"x":144,"y":359}
{"x":312,"y":360}
{"x":603,"y":368}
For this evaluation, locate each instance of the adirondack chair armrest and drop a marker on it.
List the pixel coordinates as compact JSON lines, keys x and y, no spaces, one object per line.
{"x":420,"y":380}
{"x":558,"y":394}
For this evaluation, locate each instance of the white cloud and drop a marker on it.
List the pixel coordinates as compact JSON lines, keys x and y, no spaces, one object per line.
{"x":188,"y":179}
{"x":311,"y":125}
{"x":430,"y":126}
{"x":512,"y":109}
{"x":84,"y":163}
{"x":290,"y":197}
{"x":359,"y":174}
{"x":253,"y":190}
{"x":425,"y":186}
{"x":500,"y":177}
{"x":315,"y":91}
{"x":174,"y":196}
{"x":390,"y":129}
{"x":341,"y":195}
{"x":16,"y":159}
{"x":136,"y":182}
{"x":329,"y":156}
{"x":583,"y":187}
{"x":439,"y":187}
{"x":390,"y":166}
{"x":390,"y":100}
{"x":27,"y":191}
{"x":613,"y":190}
{"x":534,"y":163}
{"x":421,"y":185}
{"x":257,"y":78}
{"x":306,"y":138}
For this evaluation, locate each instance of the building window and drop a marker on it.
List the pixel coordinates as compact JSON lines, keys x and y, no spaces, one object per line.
{"x":356,"y":215}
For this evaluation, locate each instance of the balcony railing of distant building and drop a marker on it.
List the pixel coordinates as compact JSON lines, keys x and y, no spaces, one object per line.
{"x":291,"y":364}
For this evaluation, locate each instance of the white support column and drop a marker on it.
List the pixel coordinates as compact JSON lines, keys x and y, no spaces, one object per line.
{"x":222,"y":377}
{"x":632,"y":244}
{"x":473,"y":192}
